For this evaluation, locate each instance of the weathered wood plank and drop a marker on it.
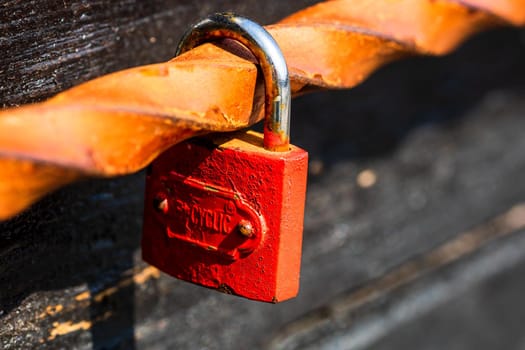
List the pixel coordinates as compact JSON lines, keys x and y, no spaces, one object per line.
{"x":48,"y":46}
{"x":443,"y":137}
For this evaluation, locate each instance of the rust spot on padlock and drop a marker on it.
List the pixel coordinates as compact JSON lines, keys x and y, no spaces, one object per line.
{"x":224,"y":288}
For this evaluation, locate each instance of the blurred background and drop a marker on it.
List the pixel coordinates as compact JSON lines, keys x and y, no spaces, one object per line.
{"x":415,"y":218}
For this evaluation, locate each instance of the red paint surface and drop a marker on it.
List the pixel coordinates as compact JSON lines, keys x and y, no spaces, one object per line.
{"x":210,"y":189}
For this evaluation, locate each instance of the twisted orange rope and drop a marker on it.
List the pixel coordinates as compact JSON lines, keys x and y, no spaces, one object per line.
{"x":118,"y":123}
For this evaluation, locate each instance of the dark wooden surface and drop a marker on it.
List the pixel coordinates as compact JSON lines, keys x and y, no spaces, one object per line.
{"x":444,"y":137}
{"x":48,"y":46}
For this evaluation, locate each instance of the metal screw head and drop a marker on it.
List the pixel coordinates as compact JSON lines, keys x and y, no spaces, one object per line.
{"x":245,"y":228}
{"x":160,"y":204}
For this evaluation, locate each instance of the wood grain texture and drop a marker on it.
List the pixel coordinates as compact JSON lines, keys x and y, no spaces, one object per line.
{"x":444,"y":138}
{"x":52,"y":45}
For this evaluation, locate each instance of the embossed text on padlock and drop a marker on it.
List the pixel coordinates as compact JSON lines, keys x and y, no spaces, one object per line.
{"x":208,"y":216}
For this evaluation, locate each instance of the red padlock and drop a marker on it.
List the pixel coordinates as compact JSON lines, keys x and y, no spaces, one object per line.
{"x":226,"y":212}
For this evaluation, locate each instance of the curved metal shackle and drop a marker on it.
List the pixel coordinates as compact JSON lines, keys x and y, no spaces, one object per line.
{"x":271,"y":60}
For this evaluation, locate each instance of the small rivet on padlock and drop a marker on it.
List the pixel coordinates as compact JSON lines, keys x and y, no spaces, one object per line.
{"x":245,"y":228}
{"x":160,"y":204}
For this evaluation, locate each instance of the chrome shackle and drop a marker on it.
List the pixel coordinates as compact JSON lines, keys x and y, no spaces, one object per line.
{"x":270,"y":58}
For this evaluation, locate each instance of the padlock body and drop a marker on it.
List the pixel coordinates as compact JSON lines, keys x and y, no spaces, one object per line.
{"x":225,"y":213}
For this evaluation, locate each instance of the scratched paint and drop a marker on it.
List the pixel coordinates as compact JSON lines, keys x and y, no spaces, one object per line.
{"x":51,"y":310}
{"x":62,"y":328}
{"x":84,"y":299}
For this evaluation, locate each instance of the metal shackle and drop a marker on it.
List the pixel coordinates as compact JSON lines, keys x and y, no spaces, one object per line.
{"x":271,"y":60}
